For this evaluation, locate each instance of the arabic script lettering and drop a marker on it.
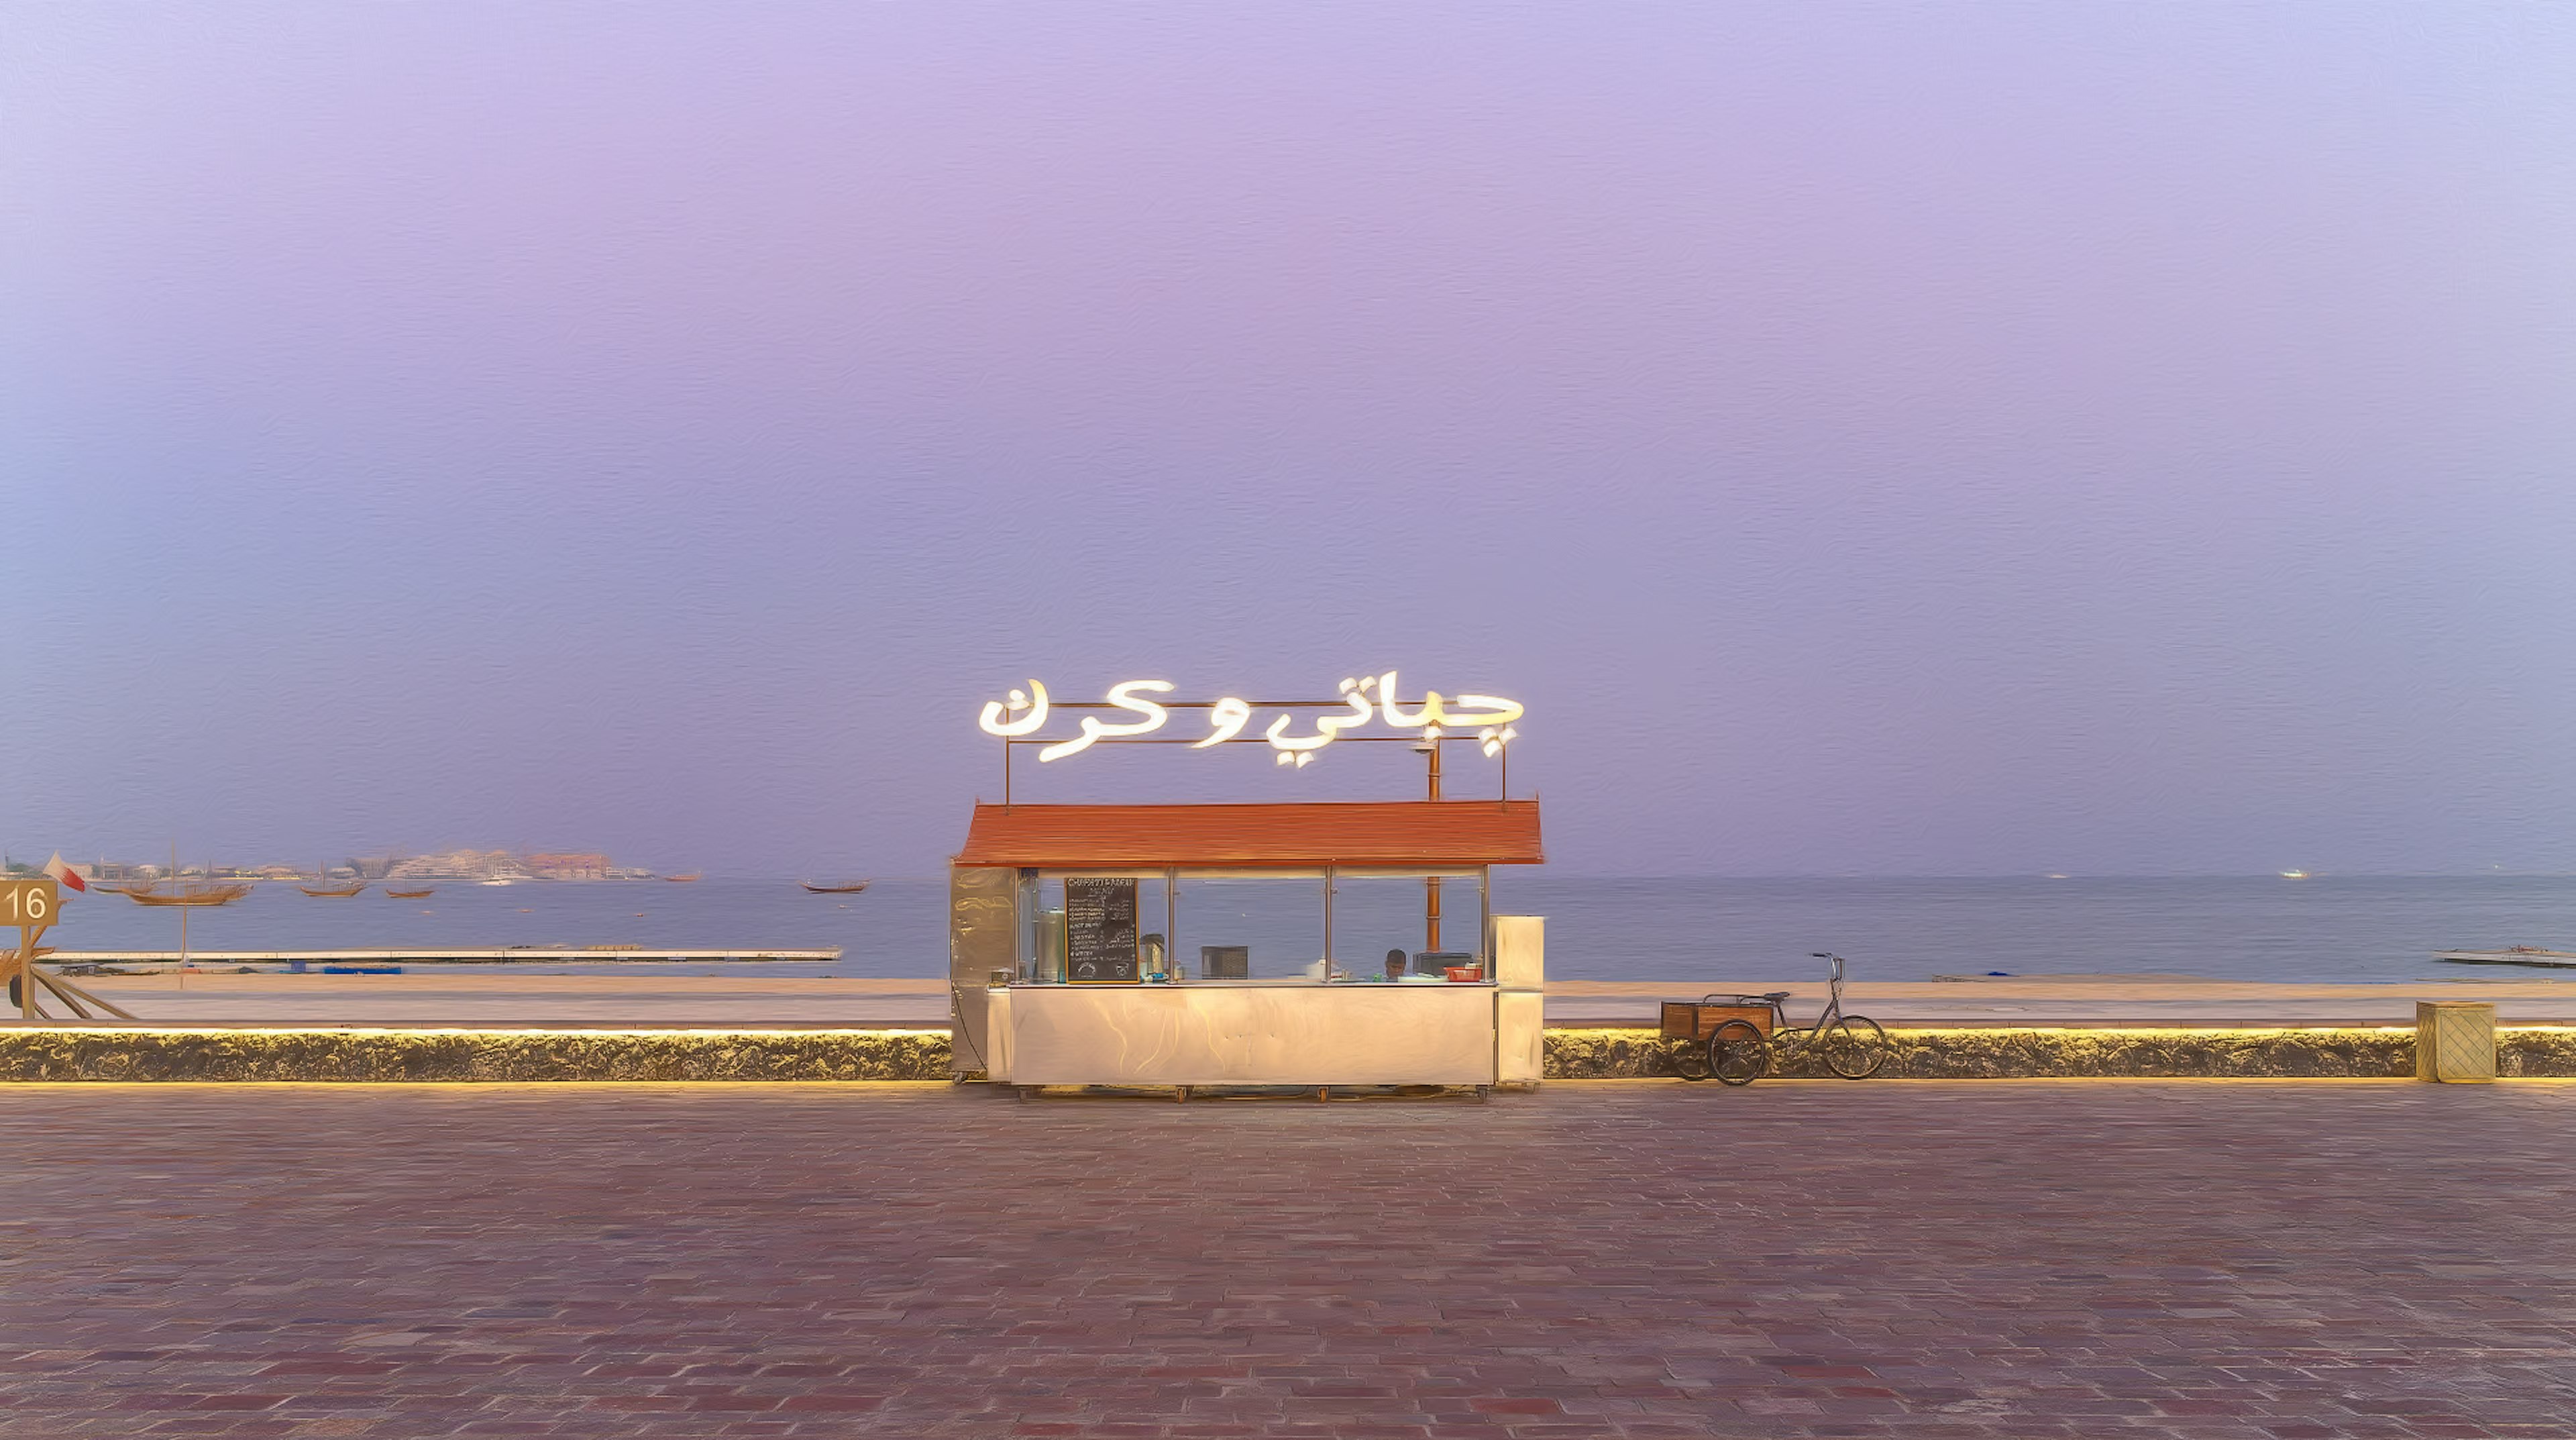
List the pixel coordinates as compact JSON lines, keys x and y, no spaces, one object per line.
{"x":1366,"y":700}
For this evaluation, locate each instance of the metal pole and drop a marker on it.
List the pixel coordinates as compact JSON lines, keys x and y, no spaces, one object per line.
{"x":1172,"y":923}
{"x":1328,"y":922}
{"x":1431,"y":883}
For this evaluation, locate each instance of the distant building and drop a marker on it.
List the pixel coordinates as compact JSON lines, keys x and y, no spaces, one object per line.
{"x":462,"y":865}
{"x":568,"y":866}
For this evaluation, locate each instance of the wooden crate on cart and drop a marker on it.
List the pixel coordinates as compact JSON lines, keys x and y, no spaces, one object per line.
{"x":1699,"y":1019}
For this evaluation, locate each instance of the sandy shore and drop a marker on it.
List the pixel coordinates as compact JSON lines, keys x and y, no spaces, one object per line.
{"x":482,"y":998}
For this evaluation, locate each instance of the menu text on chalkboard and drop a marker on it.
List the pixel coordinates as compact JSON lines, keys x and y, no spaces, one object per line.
{"x":1099,"y":930}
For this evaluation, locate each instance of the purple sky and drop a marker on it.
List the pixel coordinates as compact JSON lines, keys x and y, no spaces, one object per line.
{"x":1932,"y":439}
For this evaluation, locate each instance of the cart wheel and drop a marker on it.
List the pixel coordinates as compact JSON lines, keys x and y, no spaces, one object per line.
{"x":1737,"y":1053}
{"x":1855,"y":1047}
{"x":1484,"y":1094}
{"x":1182,"y":1095}
{"x":1691,"y":1061}
{"x":1323,"y":1093}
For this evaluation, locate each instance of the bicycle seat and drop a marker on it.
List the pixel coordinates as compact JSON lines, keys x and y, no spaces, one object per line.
{"x":1775,"y":996}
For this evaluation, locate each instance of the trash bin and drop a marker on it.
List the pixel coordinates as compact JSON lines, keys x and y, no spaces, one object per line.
{"x":2455,"y":1041}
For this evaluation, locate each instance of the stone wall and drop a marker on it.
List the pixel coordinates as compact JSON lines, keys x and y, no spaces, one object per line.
{"x":46,"y":1054}
{"x":2034,"y":1053}
{"x":42,"y":1053}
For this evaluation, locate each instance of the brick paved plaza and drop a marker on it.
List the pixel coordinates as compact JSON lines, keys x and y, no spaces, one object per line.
{"x":2084,"y":1258}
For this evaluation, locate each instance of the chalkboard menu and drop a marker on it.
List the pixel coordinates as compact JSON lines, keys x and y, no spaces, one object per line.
{"x":1099,"y":930}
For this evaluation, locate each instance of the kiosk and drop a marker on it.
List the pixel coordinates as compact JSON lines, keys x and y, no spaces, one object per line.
{"x":1214,"y":945}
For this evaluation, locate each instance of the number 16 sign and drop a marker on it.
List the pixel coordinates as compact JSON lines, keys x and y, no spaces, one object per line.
{"x":31,"y":906}
{"x":29,"y":902}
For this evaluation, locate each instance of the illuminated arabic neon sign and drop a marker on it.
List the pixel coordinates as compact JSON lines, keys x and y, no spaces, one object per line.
{"x":1367,"y":700}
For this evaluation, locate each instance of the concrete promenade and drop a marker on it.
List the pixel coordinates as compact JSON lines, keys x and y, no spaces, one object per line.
{"x":2212,"y":1260}
{"x":474,"y":996}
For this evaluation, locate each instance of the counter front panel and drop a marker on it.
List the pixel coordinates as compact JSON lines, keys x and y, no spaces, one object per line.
{"x":1221,"y":1034}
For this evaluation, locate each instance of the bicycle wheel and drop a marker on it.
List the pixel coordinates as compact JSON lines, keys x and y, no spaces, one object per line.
{"x":1690,"y":1060}
{"x":1854,"y":1047}
{"x":1737,"y":1053}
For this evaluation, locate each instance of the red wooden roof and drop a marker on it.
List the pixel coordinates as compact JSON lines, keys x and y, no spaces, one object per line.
{"x":1303,"y":836}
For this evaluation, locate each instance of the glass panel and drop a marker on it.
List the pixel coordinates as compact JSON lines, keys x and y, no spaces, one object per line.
{"x":1257,"y":927}
{"x":1042,"y":929}
{"x":1270,"y":928}
{"x":1049,"y":939}
{"x":1153,"y":950}
{"x":1378,"y":914}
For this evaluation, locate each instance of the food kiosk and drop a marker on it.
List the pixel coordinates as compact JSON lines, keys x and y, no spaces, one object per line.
{"x":1218,"y":945}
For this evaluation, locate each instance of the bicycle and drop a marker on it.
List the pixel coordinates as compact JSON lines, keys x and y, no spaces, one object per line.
{"x":1738,"y":1053}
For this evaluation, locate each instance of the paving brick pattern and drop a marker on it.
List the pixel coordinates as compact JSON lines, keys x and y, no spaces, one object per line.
{"x":1908,"y":1259}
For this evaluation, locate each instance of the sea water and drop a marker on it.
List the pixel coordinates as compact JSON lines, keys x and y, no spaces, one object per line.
{"x":2325,"y":928}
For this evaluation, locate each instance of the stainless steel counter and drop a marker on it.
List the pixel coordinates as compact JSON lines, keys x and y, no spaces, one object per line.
{"x":1244,"y":1033}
